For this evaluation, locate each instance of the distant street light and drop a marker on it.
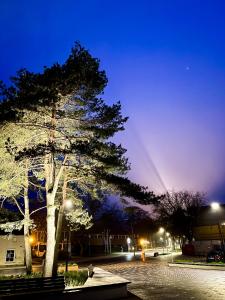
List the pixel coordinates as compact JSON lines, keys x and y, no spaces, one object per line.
{"x":163,"y":239}
{"x":128,"y":244}
{"x":215,"y":205}
{"x":161,"y":230}
{"x":128,"y":240}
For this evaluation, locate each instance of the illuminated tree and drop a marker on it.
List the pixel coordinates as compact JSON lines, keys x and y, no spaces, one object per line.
{"x":15,"y":181}
{"x":72,"y":125}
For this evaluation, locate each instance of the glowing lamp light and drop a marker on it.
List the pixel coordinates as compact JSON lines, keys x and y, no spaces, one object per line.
{"x":215,"y":205}
{"x":68,"y":204}
{"x":141,"y":242}
{"x":31,"y":239}
{"x":128,"y":241}
{"x":161,"y":230}
{"x":167,"y":234}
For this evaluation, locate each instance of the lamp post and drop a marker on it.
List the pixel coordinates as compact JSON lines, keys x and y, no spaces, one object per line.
{"x":68,"y":205}
{"x":167,"y":241}
{"x":163,"y":232}
{"x":215,"y":206}
{"x":128,"y":244}
{"x":67,"y":250}
{"x":89,"y":245}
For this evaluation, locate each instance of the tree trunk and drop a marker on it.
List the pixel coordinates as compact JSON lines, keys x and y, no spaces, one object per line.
{"x":81,"y":247}
{"x":28,"y":258}
{"x":59,"y":226}
{"x":57,"y":240}
{"x":51,"y":185}
{"x":50,"y":235}
{"x":51,"y":188}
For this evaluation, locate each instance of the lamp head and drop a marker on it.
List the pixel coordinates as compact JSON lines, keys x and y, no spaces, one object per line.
{"x":215,"y":205}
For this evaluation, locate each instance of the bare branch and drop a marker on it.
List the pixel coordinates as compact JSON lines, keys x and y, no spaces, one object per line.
{"x":36,"y":210}
{"x":19,"y":207}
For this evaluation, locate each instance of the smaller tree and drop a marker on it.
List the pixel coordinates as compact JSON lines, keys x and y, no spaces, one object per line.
{"x":177,"y":211}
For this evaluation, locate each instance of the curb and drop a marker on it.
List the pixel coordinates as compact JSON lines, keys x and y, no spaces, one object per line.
{"x":197,"y":266}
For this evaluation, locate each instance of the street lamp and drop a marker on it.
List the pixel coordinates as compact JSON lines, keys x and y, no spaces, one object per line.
{"x":68,"y":204}
{"x":167,"y":241}
{"x":161,"y":230}
{"x":128,"y":244}
{"x":215,"y":206}
{"x":31,"y":240}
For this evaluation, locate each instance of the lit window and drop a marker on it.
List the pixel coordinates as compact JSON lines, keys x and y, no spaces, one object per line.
{"x":10,"y":255}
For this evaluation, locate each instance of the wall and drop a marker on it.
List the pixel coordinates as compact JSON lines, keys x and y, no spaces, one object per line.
{"x":16,"y":243}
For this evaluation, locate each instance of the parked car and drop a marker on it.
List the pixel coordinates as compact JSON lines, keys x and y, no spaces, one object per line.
{"x":215,"y":255}
{"x":39,"y":250}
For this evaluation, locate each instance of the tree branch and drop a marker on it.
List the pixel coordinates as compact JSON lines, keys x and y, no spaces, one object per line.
{"x":36,"y":210}
{"x":17,"y":204}
{"x":2,"y":202}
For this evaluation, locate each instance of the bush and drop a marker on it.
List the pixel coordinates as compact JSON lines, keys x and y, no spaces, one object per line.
{"x":21,"y":276}
{"x":74,"y":278}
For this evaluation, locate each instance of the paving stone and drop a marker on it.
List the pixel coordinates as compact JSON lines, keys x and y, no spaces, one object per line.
{"x":155,"y":280}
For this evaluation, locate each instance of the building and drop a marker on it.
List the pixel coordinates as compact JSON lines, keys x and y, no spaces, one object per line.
{"x":12,"y":250}
{"x":209,"y":229}
{"x":76,"y":243}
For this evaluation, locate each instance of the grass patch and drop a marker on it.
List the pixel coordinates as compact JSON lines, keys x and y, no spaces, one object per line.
{"x":72,"y":278}
{"x":183,"y":261}
{"x":69,"y":264}
{"x":21,"y":276}
{"x":75,"y":278}
{"x":216,"y":263}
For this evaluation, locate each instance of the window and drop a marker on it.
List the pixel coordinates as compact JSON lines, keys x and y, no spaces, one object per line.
{"x":10,"y":255}
{"x":42,"y":248}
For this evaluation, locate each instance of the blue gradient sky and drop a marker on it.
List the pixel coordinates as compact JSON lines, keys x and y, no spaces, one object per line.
{"x":165,"y":61}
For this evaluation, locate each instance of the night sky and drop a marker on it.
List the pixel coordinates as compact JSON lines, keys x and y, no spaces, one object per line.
{"x":165,"y":61}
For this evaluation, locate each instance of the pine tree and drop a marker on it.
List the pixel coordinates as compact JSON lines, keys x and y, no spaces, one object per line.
{"x":74,"y":124}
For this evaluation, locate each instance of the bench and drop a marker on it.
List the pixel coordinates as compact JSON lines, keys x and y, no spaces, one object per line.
{"x":22,"y":286}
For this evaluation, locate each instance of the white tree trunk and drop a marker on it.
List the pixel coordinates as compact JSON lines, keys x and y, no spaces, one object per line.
{"x":59,"y":226}
{"x":58,"y":238}
{"x":50,"y":198}
{"x":49,"y":259}
{"x":28,"y":258}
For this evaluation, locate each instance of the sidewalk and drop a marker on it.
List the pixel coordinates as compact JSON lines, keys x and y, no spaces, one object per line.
{"x":79,"y":259}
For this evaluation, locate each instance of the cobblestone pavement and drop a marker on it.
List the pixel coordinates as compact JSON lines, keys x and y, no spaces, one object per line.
{"x":153,"y":279}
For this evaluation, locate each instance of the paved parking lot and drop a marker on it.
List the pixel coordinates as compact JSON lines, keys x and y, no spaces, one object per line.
{"x":153,"y":279}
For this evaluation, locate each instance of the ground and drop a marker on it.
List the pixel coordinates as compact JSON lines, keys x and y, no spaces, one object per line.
{"x":154,"y":279}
